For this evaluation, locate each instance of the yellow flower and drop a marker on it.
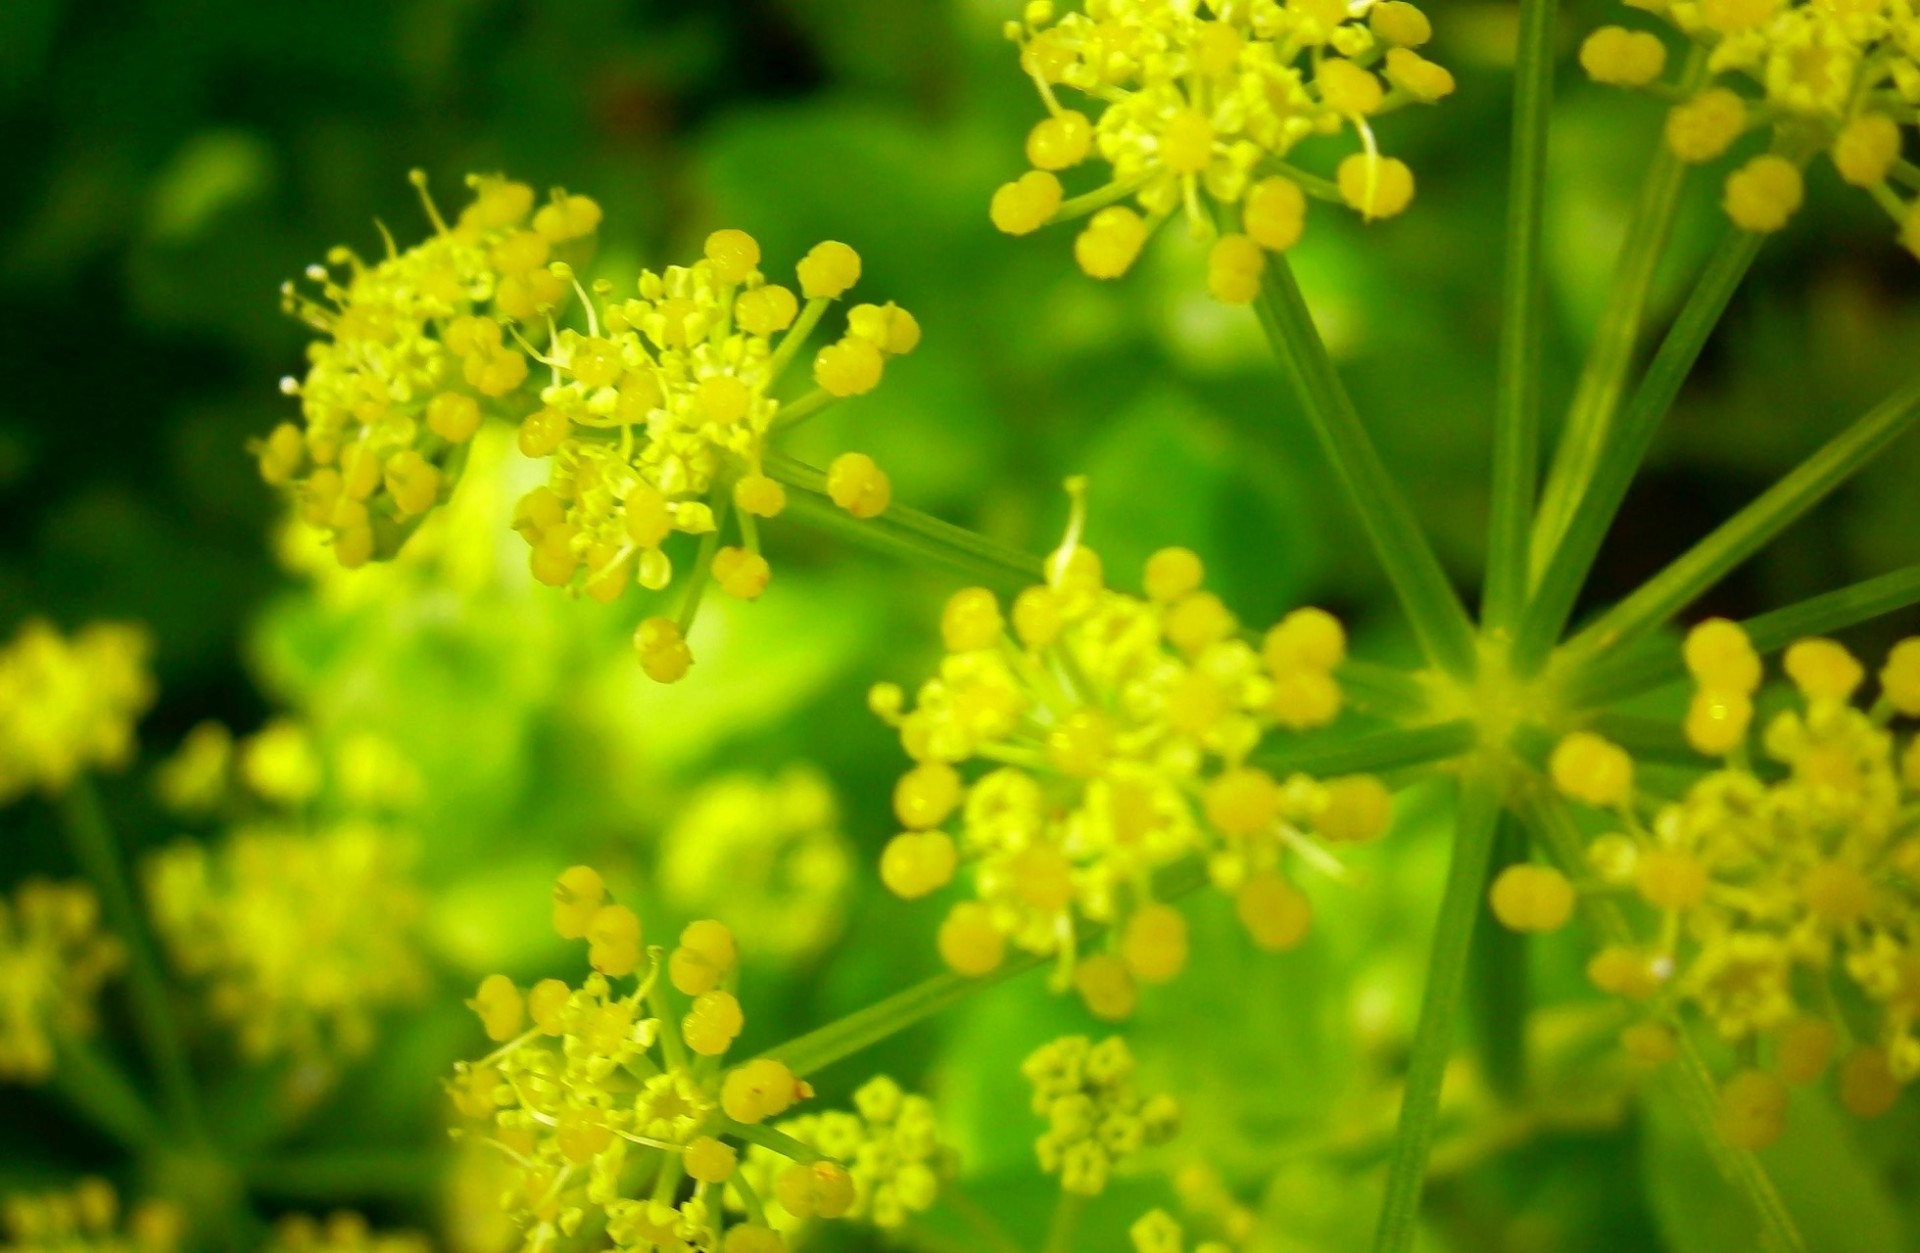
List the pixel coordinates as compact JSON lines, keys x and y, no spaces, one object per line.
{"x":659,"y":416}
{"x":1096,"y":1115}
{"x":86,"y":1219}
{"x":413,"y":357}
{"x":53,"y":958}
{"x":67,"y":704}
{"x":1193,"y":108}
{"x":1114,"y":736}
{"x":341,"y":1232}
{"x":300,"y":938}
{"x":1839,"y":78}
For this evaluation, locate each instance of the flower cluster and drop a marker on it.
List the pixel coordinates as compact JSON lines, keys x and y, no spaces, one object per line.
{"x":414,"y":355}
{"x":1199,"y":104}
{"x":1160,"y":1232}
{"x":69,"y":703}
{"x":301,"y":937}
{"x":889,"y":1142}
{"x":86,"y":1220}
{"x":1116,"y":733}
{"x":341,"y":1232}
{"x":53,"y":958}
{"x":1817,"y":75}
{"x":609,"y":1097}
{"x":768,"y":853}
{"x":1784,"y":887}
{"x":1096,"y":1116}
{"x":659,"y":416}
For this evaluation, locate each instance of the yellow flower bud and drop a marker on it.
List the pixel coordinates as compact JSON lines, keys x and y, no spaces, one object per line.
{"x":453,"y":416}
{"x":1026,"y":204}
{"x":926,"y":794}
{"x":1532,"y":898}
{"x":713,"y":1023}
{"x":1060,"y":141}
{"x":1650,"y":1043}
{"x":1900,"y":677}
{"x":1110,"y":243}
{"x":1753,"y":1109}
{"x":1806,"y":1047}
{"x":1275,"y":213}
{"x":759,"y":495}
{"x":1347,"y":89}
{"x":710,"y":1161}
{"x":1242,"y":801}
{"x":1172,"y":573}
{"x":766,"y":310}
{"x":1622,"y":57}
{"x":1670,"y":879}
{"x":915,"y":863}
{"x":1719,"y":655}
{"x":828,"y":271}
{"x":851,"y":367}
{"x":1764,"y":193}
{"x":969,"y":942}
{"x":613,"y":941}
{"x":1823,"y":669}
{"x":733,"y":254}
{"x":1106,"y":988}
{"x":741,"y":573}
{"x":1717,"y":721}
{"x":1358,"y":810}
{"x":577,"y":896}
{"x":859,"y":486}
{"x":1866,"y":149}
{"x":1396,"y":22}
{"x":761,"y":1089}
{"x":1234,"y":268}
{"x":1153,"y":943}
{"x":971,"y":621}
{"x":1868,"y":1088}
{"x":1276,"y":914}
{"x":1379,"y":187}
{"x":500,"y":1006}
{"x":1417,"y":76}
{"x":664,"y":654}
{"x":1590,"y":769}
{"x":1702,"y":128}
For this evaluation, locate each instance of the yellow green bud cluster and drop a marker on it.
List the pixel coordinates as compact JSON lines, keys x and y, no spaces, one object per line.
{"x":1816,"y":75}
{"x":53,"y":959}
{"x":415,"y":353}
{"x":1096,"y":1116}
{"x":768,"y":851}
{"x":301,"y":936}
{"x":1781,"y":892}
{"x":86,"y":1219}
{"x":340,"y":1232}
{"x":659,"y":416}
{"x":1196,"y":106}
{"x":1157,"y":1231}
{"x":609,"y":1096}
{"x":890,"y":1144}
{"x":69,"y":704}
{"x":283,"y":766}
{"x":1112,"y":735}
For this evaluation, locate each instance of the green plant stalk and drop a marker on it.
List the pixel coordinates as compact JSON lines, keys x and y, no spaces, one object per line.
{"x":1399,"y":542}
{"x":1517,"y":393}
{"x":98,"y":853}
{"x":97,"y":1089}
{"x":1593,"y":513}
{"x":1500,"y":988}
{"x":1710,"y":560}
{"x":1615,"y":679}
{"x":1552,"y":823}
{"x":1380,"y":689}
{"x":1603,"y":378}
{"x":1460,"y":908}
{"x":1066,"y":1217}
{"x":976,"y":1217}
{"x":1372,"y":751}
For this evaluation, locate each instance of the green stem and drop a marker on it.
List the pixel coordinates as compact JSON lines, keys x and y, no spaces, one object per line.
{"x":1618,"y":678}
{"x":1710,"y":560}
{"x":904,"y":532}
{"x":1402,"y":547}
{"x":99,"y":856}
{"x":1552,"y":822}
{"x":1500,"y":989}
{"x":97,"y":1089}
{"x":817,"y":1049}
{"x":1650,"y":739}
{"x":978,"y":1218}
{"x":1066,"y":1217}
{"x":1382,"y":689}
{"x":779,"y":1141}
{"x":1477,"y":820}
{"x":1604,"y":377}
{"x":1566,"y":569}
{"x":1373,"y":751}
{"x":796,"y":338}
{"x":796,"y":411}
{"x":1516,"y":424}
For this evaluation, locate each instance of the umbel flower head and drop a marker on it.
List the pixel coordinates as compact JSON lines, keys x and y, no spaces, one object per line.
{"x":1782,"y":884}
{"x":53,"y":958}
{"x":1196,"y":107}
{"x":1108,"y":736}
{"x":301,"y":936}
{"x":613,"y":1100}
{"x":659,"y":416}
{"x":891,"y":1146}
{"x":414,"y":353}
{"x":1157,"y":1231}
{"x":1096,"y":1116}
{"x":341,"y":1232}
{"x":68,"y":704}
{"x":86,"y":1219}
{"x":1840,"y":77}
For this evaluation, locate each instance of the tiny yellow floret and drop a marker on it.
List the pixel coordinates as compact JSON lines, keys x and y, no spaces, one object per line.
{"x":1764,"y":194}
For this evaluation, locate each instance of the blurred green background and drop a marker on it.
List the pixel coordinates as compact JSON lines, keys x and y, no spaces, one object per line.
{"x":169,"y":164}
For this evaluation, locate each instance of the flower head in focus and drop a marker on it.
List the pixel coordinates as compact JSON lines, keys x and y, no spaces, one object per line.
{"x":1109,"y":737}
{"x":1096,"y":1115}
{"x":1840,"y":77}
{"x":1196,"y":107}
{"x":659,"y":419}
{"x":53,"y":959}
{"x":416,"y":349}
{"x":86,"y":1219}
{"x":69,"y":703}
{"x":1784,"y":885}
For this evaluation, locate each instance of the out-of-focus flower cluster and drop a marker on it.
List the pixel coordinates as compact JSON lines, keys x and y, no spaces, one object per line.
{"x":1834,"y":76}
{"x":341,"y":1232}
{"x":414,"y":355}
{"x":608,"y":1096}
{"x":86,"y":1219}
{"x":1096,"y":1115}
{"x":1785,"y":884}
{"x":766,"y":852}
{"x":1197,"y":106}
{"x":53,"y":958}
{"x":301,"y":922}
{"x":67,"y":704}
{"x":890,"y":1144}
{"x":659,"y":416}
{"x":1115,"y":734}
